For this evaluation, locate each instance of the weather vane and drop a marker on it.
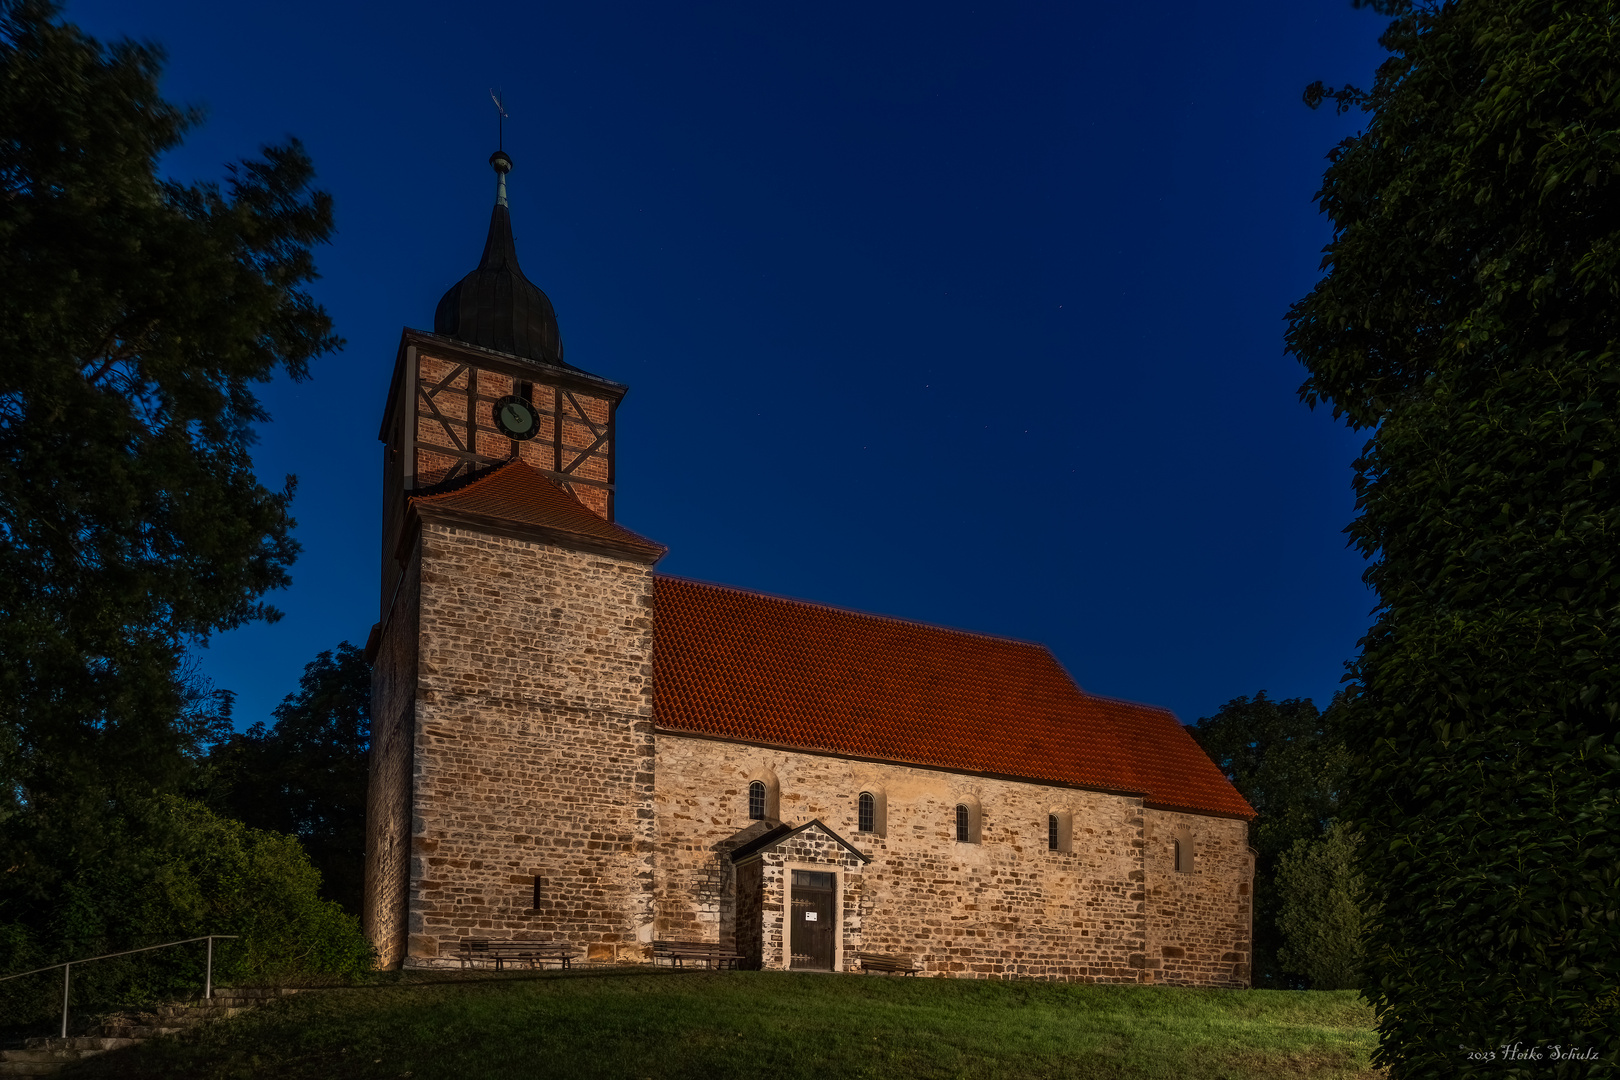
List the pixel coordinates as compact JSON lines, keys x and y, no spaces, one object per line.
{"x":501,"y":118}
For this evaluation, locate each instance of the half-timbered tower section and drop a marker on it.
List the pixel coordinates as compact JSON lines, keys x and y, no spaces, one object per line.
{"x":453,"y":431}
{"x":570,"y":748}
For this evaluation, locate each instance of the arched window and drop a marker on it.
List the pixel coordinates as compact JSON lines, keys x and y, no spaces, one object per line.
{"x":756,"y":801}
{"x":962,"y":835}
{"x":1059,"y":830}
{"x":866,"y":815}
{"x":1184,"y":851}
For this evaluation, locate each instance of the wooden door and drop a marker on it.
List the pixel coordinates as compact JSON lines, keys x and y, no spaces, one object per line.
{"x":814,"y":912}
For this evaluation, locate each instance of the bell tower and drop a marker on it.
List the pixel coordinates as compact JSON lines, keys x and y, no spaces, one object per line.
{"x":512,"y":759}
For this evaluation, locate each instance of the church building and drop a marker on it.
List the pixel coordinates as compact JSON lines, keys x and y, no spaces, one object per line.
{"x":570,"y":746}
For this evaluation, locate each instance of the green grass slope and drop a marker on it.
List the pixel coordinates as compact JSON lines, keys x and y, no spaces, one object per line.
{"x":628,"y":1023}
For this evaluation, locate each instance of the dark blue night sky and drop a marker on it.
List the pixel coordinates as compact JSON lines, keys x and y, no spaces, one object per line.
{"x":971,"y":315}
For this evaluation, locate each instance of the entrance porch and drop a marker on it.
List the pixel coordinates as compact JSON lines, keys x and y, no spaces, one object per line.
{"x":798,"y":899}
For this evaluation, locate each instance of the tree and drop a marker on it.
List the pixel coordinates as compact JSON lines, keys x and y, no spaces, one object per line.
{"x":1287,"y":760}
{"x":136,"y":313}
{"x":1468,"y":321}
{"x":306,"y":775}
{"x":1321,"y":915}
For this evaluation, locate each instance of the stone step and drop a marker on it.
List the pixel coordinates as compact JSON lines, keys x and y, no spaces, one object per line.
{"x":257,"y":992}
{"x":78,"y":1042}
{"x":58,"y":1056}
{"x":137,"y":1032}
{"x":46,"y":1055}
{"x":30,"y":1068}
{"x":226,"y":1007}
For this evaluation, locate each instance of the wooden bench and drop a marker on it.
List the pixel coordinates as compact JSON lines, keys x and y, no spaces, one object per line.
{"x":889,"y":965}
{"x":532,"y":953}
{"x":713,"y":953}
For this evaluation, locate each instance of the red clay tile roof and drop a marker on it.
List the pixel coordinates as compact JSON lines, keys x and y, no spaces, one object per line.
{"x":517,"y":494}
{"x":763,"y":669}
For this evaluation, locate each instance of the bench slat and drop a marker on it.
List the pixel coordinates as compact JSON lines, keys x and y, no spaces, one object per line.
{"x":716,"y":954}
{"x":902,"y":965}
{"x":530,"y":952}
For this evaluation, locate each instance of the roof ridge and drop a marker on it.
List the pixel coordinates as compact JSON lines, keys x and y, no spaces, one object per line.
{"x":1136,"y":705}
{"x":876,"y":616}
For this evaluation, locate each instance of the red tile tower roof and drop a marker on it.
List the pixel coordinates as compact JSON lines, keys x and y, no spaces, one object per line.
{"x":517,"y":497}
{"x":764,"y":669}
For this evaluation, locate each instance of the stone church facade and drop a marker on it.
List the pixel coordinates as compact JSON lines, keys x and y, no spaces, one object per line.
{"x":570,"y":746}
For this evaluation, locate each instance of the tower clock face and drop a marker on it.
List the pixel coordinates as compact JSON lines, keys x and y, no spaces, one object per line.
{"x":516,"y":418}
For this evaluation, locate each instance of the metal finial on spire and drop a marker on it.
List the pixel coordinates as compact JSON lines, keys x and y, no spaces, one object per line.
{"x":498,"y":160}
{"x":502,"y":165}
{"x":500,"y":118}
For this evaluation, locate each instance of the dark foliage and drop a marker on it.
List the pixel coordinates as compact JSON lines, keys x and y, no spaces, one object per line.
{"x":1323,"y":915}
{"x":135,"y":316}
{"x":1288,"y":761}
{"x":306,"y":775}
{"x":202,"y":874}
{"x":1468,"y":317}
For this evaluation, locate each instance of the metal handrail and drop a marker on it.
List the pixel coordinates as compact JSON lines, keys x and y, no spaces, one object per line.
{"x":67,"y":967}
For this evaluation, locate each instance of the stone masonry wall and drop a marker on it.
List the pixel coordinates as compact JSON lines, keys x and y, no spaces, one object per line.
{"x":388,"y":794}
{"x":1002,"y":908}
{"x":1199,"y":922}
{"x":749,"y":936}
{"x":534,"y":753}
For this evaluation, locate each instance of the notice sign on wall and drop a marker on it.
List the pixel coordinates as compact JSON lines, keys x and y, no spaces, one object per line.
{"x":810,"y":916}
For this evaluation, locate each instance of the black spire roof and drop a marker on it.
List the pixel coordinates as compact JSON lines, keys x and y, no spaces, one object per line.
{"x":495,"y":306}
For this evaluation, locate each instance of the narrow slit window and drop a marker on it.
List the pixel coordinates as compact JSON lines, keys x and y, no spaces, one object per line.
{"x":1051,"y":832}
{"x":961,"y":823}
{"x":867,"y":813}
{"x":536,"y":902}
{"x":756,"y":801}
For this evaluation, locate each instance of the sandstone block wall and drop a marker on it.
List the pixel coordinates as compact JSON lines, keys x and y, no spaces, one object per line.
{"x":1199,"y":923}
{"x":388,"y":794}
{"x":533,"y":748}
{"x":1001,"y":908}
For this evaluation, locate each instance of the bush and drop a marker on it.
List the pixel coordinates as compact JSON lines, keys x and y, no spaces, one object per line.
{"x":199,"y":874}
{"x":1322,"y":916}
{"x":256,"y":884}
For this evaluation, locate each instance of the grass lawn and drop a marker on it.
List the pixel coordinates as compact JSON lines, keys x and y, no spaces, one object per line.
{"x":627,"y":1023}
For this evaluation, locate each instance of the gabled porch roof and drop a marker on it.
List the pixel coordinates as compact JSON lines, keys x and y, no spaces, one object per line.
{"x":786,"y":832}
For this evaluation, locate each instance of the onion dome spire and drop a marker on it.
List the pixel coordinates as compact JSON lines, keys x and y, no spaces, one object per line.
{"x":495,"y":306}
